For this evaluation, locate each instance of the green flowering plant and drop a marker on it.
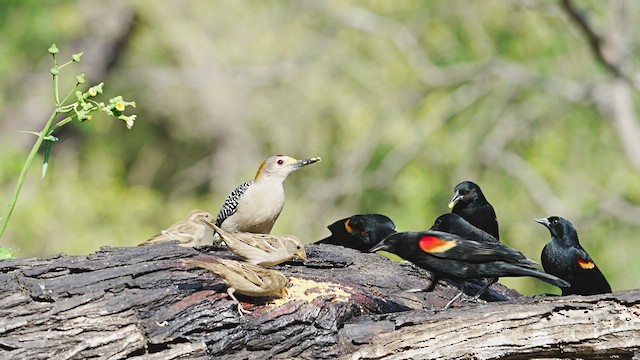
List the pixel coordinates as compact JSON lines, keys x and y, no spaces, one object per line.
{"x":75,"y":106}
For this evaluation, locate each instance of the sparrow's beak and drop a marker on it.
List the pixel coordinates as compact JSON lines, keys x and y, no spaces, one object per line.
{"x":302,"y":255}
{"x":305,"y":162}
{"x":455,"y":200}
{"x":543,"y":221}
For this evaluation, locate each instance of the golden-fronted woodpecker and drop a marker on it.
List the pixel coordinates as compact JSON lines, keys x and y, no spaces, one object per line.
{"x":255,"y":205}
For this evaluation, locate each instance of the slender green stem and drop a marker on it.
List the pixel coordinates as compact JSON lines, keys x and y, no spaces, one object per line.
{"x":23,"y":173}
{"x":65,"y":64}
{"x":69,"y":94}
{"x":56,"y":92}
{"x":62,"y":123}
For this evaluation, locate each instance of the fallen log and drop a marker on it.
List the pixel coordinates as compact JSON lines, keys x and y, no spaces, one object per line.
{"x":140,"y":302}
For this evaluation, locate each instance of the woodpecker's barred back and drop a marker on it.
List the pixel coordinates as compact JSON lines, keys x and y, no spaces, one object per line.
{"x":231,"y":203}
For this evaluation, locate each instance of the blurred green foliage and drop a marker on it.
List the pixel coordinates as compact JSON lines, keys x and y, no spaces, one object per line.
{"x":402,"y":100}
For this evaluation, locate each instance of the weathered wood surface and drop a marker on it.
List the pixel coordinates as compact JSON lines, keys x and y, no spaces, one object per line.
{"x":604,"y":326}
{"x":141,"y":303}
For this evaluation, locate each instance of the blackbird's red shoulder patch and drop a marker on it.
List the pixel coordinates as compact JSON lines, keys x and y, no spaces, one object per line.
{"x":586,"y":264}
{"x":432,"y":244}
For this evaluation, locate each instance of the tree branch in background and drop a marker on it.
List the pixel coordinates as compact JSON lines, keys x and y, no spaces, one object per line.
{"x":598,"y":46}
{"x":616,"y":102}
{"x":608,"y":54}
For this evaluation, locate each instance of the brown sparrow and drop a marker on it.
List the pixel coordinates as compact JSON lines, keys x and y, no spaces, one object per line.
{"x":261,"y":249}
{"x":189,"y":231}
{"x":246,"y":279}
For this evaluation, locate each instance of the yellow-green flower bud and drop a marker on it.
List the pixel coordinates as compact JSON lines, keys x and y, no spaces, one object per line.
{"x":53,"y":49}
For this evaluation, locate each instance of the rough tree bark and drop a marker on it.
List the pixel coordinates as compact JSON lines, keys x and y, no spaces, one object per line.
{"x":140,"y":303}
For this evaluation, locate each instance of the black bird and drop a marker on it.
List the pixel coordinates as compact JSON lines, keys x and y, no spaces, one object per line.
{"x":360,"y":231}
{"x":565,"y":258}
{"x":469,"y":202}
{"x":453,"y":223}
{"x":453,"y":257}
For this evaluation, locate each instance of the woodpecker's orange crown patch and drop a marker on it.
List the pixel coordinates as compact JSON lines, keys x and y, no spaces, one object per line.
{"x":432,"y":244}
{"x":586,"y":264}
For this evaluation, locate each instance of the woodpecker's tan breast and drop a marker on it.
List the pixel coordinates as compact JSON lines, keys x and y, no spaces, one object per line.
{"x":258,"y":208}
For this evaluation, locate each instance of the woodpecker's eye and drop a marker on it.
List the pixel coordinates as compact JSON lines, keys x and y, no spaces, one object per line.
{"x":280,"y":162}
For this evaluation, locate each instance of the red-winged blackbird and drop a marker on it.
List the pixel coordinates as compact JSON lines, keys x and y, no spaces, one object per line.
{"x":565,"y":258}
{"x":469,"y":202}
{"x":451,"y":256}
{"x":360,"y":231}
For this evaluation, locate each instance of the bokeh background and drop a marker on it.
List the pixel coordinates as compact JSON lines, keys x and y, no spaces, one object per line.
{"x":401,"y":99}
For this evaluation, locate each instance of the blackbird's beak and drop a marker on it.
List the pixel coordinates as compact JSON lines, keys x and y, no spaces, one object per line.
{"x":457,"y":197}
{"x":543,"y":221}
{"x":380,"y":246}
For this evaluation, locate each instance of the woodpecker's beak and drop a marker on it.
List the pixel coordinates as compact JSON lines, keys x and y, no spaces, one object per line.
{"x":305,"y":162}
{"x":543,"y":221}
{"x":456,"y":197}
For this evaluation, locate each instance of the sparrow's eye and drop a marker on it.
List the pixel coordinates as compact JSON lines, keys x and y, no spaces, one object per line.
{"x":280,"y":162}
{"x":298,"y":247}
